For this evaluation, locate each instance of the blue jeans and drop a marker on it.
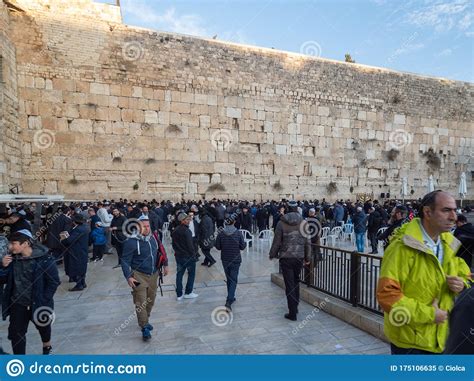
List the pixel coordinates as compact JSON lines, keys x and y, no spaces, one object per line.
{"x":182,"y":265}
{"x":360,"y":242}
{"x":231,"y":270}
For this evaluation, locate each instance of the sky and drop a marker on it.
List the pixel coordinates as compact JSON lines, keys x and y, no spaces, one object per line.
{"x":427,"y":37}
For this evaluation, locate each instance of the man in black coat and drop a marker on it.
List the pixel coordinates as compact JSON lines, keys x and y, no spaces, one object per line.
{"x":262,"y":218}
{"x":374,"y":223}
{"x":230,"y":241}
{"x":31,"y":278}
{"x":397,"y":219}
{"x":244,"y":221}
{"x":461,"y":318}
{"x":77,"y":243}
{"x":206,"y":237}
{"x":185,"y":254}
{"x":118,"y":236}
{"x":465,"y":233}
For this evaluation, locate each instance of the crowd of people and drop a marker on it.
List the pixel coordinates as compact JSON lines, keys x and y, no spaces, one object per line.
{"x":76,"y":233}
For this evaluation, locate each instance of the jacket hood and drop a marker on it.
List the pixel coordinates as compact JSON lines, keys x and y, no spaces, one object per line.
{"x":38,"y":251}
{"x":229,"y":229}
{"x":292,"y":218}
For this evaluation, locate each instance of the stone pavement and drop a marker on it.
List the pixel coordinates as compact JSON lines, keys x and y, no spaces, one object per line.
{"x":101,"y":319}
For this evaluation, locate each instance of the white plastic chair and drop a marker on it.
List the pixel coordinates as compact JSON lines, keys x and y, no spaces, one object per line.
{"x":348,"y":232}
{"x":265,"y":236}
{"x":165,"y":230}
{"x":379,"y":242}
{"x":324,"y":235}
{"x":248,"y":237}
{"x":336,"y":233}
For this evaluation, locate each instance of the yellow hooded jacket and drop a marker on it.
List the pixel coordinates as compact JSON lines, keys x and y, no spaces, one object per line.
{"x":411,"y":278}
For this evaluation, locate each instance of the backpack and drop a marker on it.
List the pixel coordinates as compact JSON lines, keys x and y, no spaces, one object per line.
{"x":160,"y":263}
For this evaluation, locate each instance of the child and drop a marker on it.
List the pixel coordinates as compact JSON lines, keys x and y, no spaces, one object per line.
{"x":99,"y":241}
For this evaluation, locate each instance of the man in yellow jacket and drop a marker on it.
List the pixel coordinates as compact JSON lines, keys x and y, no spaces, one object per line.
{"x":420,"y":277}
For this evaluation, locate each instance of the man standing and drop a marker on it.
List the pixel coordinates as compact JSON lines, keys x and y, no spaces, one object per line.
{"x":465,"y":233}
{"x":185,"y":254}
{"x":118,"y":237}
{"x":206,"y":237}
{"x":292,"y":247}
{"x":397,"y":218}
{"x":374,"y":223}
{"x":230,"y":241}
{"x":31,"y":278}
{"x":140,"y":261}
{"x":106,"y":219}
{"x":360,"y":227}
{"x":62,"y":222}
{"x":76,"y":256}
{"x":420,"y":277}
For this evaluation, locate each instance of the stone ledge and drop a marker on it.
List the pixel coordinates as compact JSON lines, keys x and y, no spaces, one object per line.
{"x":358,"y":317}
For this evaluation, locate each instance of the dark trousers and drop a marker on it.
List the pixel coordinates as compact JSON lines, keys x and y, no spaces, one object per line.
{"x":291,"y":269}
{"x":220,"y":223}
{"x":98,"y":251}
{"x":119,"y":247}
{"x":80,"y":281}
{"x":373,"y":241}
{"x":231,"y":270}
{"x":408,"y":351}
{"x":182,"y":265}
{"x":20,"y":317}
{"x":208,"y":258}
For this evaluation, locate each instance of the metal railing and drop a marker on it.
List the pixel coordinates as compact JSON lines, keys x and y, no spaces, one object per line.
{"x":347,"y":275}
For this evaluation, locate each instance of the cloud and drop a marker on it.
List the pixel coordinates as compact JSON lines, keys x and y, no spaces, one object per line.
{"x":445,"y":53}
{"x":168,"y":21}
{"x":443,"y":16}
{"x":407,"y":48}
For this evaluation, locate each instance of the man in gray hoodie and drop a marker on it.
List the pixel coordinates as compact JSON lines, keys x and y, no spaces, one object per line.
{"x":293,"y":247}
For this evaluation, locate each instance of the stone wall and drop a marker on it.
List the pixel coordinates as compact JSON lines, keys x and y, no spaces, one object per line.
{"x":10,"y":145}
{"x":117,"y":111}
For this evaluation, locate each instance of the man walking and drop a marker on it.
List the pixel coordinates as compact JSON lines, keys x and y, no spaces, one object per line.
{"x":360,"y":227}
{"x":420,"y":277}
{"x":206,"y":237}
{"x":293,"y":248}
{"x":31,"y":278}
{"x":185,"y":254}
{"x":230,"y":242}
{"x":140,"y":265}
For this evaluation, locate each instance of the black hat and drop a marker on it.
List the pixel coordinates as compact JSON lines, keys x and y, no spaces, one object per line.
{"x":79,"y":219}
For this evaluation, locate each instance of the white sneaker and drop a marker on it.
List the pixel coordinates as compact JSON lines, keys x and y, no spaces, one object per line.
{"x":178,"y":298}
{"x":192,"y":295}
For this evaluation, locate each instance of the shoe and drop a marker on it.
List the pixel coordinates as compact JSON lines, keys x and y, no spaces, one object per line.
{"x":48,"y":350}
{"x":179,"y":298}
{"x":117,"y":266}
{"x":71,"y":280}
{"x":149,"y":326}
{"x":289,"y":317}
{"x":211,"y":264}
{"x":92,"y":259}
{"x":146,"y":335}
{"x":76,"y":289}
{"x":192,"y":295}
{"x":228,"y":307}
{"x":204,"y":264}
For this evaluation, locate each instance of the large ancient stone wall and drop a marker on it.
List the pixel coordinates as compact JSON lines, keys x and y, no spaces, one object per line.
{"x":111,"y":110}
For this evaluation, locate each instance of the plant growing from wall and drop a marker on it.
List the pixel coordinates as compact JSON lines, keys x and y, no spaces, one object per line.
{"x":432,"y":159}
{"x":277,"y":186}
{"x":117,"y":159}
{"x":392,"y":154}
{"x":348,"y":58}
{"x":217,"y":187}
{"x":73,"y":181}
{"x":135,"y":186}
{"x":174,"y":128}
{"x":150,"y":161}
{"x":351,"y":189}
{"x":331,"y":187}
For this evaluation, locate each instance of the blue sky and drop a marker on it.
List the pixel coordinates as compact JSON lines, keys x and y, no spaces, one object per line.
{"x":429,"y":37}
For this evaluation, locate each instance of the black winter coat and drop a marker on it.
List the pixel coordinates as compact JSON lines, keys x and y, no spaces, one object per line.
{"x":206,"y":232}
{"x":77,"y":250}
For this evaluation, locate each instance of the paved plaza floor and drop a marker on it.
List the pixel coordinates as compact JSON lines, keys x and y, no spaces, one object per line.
{"x":101,"y":319}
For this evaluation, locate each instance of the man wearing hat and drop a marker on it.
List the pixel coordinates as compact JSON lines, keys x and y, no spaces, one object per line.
{"x":77,"y":244}
{"x":31,"y":280}
{"x":185,"y":254}
{"x":292,"y":247}
{"x":17,"y":221}
{"x":140,"y":261}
